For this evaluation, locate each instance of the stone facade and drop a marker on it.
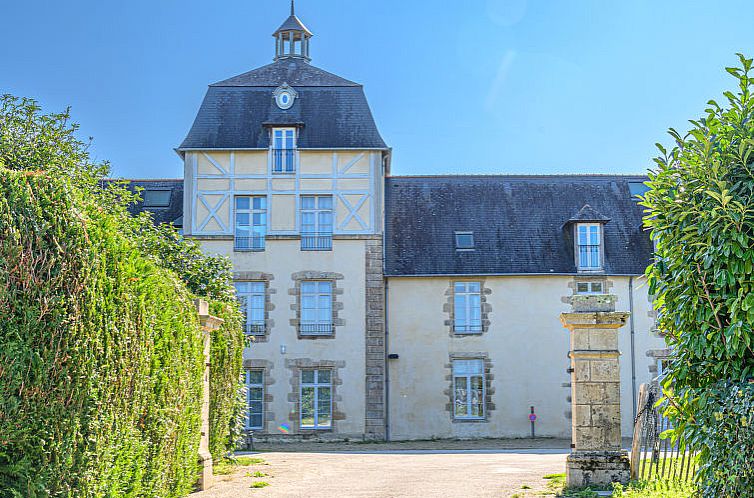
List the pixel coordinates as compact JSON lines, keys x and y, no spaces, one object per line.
{"x":374,"y":328}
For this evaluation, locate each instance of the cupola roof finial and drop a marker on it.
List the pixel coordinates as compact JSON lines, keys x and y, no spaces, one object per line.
{"x":292,"y":38}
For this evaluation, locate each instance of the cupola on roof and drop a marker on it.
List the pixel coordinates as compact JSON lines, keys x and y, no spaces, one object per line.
{"x":328,"y":111}
{"x":292,"y":38}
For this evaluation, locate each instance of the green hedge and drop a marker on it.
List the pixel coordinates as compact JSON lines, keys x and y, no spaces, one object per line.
{"x":226,"y":396}
{"x":723,"y":430}
{"x":100,"y":355}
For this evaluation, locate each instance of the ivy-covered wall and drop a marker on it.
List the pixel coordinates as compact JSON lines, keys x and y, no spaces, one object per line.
{"x":100,"y":352}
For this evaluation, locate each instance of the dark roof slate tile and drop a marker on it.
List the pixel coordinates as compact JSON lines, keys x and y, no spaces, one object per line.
{"x":332,"y":112}
{"x":519,"y":224}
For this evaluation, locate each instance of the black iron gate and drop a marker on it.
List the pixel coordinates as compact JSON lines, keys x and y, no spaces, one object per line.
{"x":651,"y":455}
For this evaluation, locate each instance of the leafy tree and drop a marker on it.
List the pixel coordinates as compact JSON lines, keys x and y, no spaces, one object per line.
{"x":700,"y":208}
{"x":45,"y":146}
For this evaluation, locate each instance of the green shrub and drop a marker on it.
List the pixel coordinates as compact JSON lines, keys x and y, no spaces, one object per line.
{"x":700,"y":213}
{"x":100,"y":355}
{"x":227,"y":400}
{"x":724,"y":431}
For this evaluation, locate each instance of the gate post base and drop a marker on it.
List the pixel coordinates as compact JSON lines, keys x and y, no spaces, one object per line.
{"x":599,"y":468}
{"x":205,"y":471}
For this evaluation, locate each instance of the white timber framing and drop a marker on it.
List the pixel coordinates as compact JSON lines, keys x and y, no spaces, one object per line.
{"x":343,"y":214}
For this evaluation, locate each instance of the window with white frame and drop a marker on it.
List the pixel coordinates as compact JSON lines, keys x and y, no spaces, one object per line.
{"x":468,"y":389}
{"x":283,"y":150}
{"x":316,"y":222}
{"x":590,"y":287}
{"x":250,"y":222}
{"x":251,"y":298}
{"x":254,"y":399}
{"x":316,"y":308}
{"x":588,"y":241}
{"x":316,"y":399}
{"x":467,"y":307}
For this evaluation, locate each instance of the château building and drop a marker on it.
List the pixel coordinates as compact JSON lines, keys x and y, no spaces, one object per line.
{"x":395,"y":306}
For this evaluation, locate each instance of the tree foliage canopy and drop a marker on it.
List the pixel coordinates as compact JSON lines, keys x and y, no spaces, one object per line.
{"x":700,"y":208}
{"x":100,"y":352}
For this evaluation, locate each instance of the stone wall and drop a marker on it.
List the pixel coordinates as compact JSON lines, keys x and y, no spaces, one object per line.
{"x":375,"y":341}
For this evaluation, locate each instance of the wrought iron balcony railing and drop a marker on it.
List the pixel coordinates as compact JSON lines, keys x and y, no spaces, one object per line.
{"x":468,"y":328}
{"x":255,"y":328}
{"x":315,"y":328}
{"x":316,"y":241}
{"x":283,"y":161}
{"x":589,"y":257}
{"x":253,"y":243}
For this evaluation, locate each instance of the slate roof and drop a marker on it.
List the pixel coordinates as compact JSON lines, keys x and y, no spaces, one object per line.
{"x":173,"y":213}
{"x":332,"y":112}
{"x":588,"y":213}
{"x":520,"y":224}
{"x":293,"y":23}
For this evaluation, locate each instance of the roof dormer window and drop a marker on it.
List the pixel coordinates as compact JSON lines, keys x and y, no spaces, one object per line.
{"x":157,"y":198}
{"x":283,"y":150}
{"x":589,"y":246}
{"x":464,"y":241}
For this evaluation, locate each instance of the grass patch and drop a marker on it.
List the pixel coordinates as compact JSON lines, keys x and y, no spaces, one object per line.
{"x":556,"y":486}
{"x":257,"y":474}
{"x":655,"y":489}
{"x":244,"y":461}
{"x":260,"y":484}
{"x":227,"y":466}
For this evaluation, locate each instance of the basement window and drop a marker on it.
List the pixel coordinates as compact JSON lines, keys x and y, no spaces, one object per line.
{"x":589,"y":288}
{"x":464,"y":241}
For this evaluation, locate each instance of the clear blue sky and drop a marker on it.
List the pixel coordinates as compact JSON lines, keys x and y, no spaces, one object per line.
{"x":474,"y":86}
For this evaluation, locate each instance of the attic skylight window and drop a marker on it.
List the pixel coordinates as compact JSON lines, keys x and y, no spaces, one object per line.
{"x":464,"y":241}
{"x":156,"y":198}
{"x":637,"y":189}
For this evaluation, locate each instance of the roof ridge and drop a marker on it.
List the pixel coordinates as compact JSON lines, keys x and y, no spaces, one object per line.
{"x":520,"y":175}
{"x":142,"y":179}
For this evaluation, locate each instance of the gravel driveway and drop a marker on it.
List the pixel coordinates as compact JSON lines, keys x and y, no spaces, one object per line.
{"x":374,"y":472}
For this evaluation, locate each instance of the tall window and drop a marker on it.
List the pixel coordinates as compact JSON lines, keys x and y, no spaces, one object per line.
{"x":316,"y":399}
{"x":316,"y":222}
{"x":251,"y":297}
{"x":316,"y":308}
{"x":283,"y":150}
{"x":254,"y":399}
{"x":467,"y":307}
{"x":251,"y":223}
{"x":588,"y":240}
{"x":468,"y":389}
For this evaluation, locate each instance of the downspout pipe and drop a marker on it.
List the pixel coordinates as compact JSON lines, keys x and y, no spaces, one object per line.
{"x":633,"y":344}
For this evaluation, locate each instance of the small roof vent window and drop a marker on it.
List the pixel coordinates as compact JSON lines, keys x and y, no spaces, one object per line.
{"x":464,"y":241}
{"x":637,"y":189}
{"x":156,"y":198}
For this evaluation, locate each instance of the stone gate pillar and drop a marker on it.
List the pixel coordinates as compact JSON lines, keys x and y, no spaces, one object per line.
{"x":208,"y":324}
{"x":596,"y":456}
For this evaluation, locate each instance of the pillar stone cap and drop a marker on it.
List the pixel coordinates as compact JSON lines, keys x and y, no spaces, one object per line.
{"x":207,"y":321}
{"x":594,"y":319}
